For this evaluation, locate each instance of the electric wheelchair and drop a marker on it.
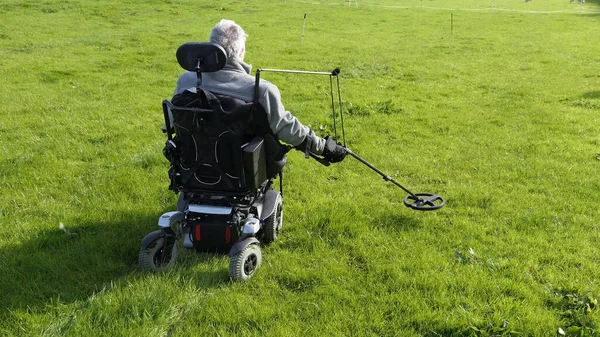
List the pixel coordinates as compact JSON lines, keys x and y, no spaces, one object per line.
{"x":223,"y":163}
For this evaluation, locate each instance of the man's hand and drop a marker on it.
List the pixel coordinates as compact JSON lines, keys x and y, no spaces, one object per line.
{"x":333,"y":151}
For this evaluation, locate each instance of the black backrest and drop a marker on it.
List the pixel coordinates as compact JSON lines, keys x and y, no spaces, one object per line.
{"x":211,"y":131}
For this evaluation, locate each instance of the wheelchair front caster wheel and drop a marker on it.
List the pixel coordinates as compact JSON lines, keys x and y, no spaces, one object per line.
{"x":243,"y":265}
{"x":154,"y":256}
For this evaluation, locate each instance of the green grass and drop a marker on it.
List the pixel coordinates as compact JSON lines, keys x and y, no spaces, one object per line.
{"x":498,"y":112}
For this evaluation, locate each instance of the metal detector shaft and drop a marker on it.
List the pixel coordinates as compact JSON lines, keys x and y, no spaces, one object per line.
{"x":385,"y":176}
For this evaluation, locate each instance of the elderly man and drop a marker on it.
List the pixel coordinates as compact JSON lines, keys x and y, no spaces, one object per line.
{"x":235,"y":80}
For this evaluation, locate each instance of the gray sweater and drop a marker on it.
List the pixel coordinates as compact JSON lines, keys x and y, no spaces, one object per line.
{"x":235,"y":80}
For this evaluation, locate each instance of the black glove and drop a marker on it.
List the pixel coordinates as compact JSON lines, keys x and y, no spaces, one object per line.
{"x":333,"y":151}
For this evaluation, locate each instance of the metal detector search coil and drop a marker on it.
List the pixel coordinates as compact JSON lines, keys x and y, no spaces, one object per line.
{"x":424,"y":201}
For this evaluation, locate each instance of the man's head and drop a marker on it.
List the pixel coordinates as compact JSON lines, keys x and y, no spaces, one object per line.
{"x":231,"y":37}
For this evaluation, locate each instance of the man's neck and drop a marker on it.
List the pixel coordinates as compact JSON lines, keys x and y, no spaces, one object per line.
{"x":238,"y":64}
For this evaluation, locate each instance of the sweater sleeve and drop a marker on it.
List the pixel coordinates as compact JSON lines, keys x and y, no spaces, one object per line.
{"x":286,"y":126}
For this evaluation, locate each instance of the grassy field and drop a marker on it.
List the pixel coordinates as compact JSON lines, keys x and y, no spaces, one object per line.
{"x":492,"y":104}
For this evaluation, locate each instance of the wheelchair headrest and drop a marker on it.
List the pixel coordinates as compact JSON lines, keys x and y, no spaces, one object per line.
{"x":209,"y":56}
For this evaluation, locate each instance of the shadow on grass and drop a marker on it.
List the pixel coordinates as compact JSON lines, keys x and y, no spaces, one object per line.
{"x":397,"y":222}
{"x":591,"y":95}
{"x":500,"y":329}
{"x":588,"y":100}
{"x":589,"y":4}
{"x":593,"y":2}
{"x":55,"y":267}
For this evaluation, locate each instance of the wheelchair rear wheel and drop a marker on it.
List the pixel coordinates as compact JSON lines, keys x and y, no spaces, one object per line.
{"x":273,"y":223}
{"x":154,"y":256}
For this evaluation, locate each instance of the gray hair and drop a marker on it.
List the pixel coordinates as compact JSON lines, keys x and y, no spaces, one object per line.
{"x":230,"y":36}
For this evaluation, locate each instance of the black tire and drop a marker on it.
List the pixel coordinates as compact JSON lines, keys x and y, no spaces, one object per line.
{"x":244,"y":264}
{"x":273,"y":223}
{"x":154,"y":257}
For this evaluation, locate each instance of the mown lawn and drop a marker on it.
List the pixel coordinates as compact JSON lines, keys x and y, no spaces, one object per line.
{"x":494,"y":105}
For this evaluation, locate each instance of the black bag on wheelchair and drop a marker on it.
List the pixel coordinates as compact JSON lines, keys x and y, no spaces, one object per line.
{"x":222,"y":143}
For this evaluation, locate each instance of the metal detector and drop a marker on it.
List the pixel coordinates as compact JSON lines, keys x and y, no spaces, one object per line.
{"x":416,"y":201}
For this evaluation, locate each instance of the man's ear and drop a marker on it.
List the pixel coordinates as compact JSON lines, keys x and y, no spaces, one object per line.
{"x":243,"y":53}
